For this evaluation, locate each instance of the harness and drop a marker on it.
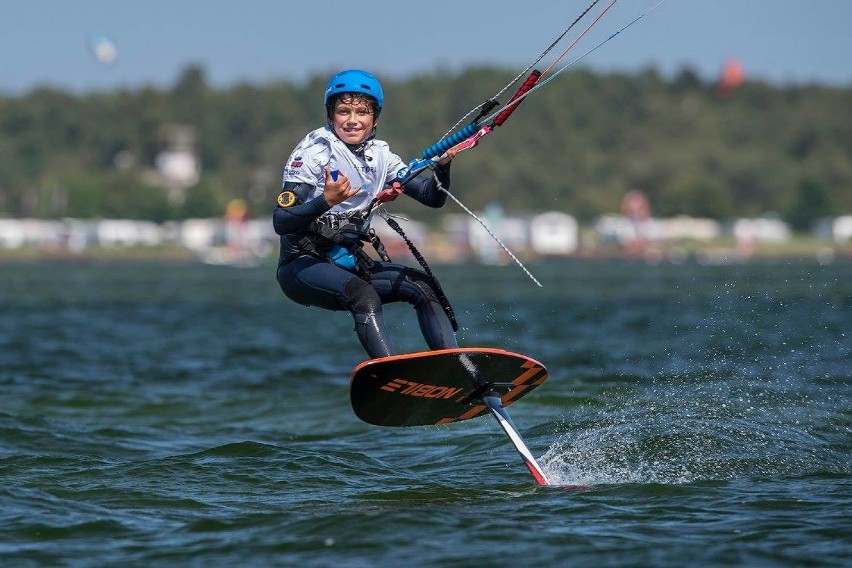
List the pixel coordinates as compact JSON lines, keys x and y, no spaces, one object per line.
{"x":339,"y":237}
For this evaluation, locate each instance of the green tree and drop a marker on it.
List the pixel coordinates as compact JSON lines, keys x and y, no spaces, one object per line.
{"x":576,"y":145}
{"x":812,"y":202}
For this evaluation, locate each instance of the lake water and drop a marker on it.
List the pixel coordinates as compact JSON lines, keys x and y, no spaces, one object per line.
{"x":177,"y":414}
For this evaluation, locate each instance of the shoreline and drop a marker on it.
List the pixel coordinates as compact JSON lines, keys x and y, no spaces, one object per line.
{"x":722,"y":251}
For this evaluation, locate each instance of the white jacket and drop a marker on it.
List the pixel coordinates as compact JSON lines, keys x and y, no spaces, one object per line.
{"x":321,"y":148}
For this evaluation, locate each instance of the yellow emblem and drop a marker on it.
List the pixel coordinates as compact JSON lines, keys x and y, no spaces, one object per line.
{"x":286,"y":198}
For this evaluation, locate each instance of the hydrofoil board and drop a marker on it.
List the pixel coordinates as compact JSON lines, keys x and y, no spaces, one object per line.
{"x":445,"y":386}
{"x":440,"y":387}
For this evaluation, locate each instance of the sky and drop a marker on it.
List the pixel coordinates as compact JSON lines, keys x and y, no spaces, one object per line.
{"x":47,"y":43}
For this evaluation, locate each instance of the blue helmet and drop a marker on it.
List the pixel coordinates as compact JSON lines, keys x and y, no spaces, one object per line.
{"x":355,"y":81}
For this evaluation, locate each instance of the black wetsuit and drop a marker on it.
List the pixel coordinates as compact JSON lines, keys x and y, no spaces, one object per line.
{"x":312,"y":279}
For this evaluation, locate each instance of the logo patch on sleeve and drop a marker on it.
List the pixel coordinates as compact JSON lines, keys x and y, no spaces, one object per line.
{"x":286,"y":199}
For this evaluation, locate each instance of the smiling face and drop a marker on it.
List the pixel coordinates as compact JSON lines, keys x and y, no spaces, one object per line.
{"x":353,"y":117}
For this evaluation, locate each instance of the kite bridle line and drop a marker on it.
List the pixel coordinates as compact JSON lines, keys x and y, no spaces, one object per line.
{"x":500,"y":116}
{"x":523,"y":92}
{"x":469,"y":136}
{"x":528,"y":68}
{"x":573,"y":62}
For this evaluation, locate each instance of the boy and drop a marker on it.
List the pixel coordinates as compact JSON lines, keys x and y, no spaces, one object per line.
{"x":329,"y":182}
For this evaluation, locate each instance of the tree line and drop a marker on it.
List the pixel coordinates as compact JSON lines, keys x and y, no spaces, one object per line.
{"x":577,"y":145}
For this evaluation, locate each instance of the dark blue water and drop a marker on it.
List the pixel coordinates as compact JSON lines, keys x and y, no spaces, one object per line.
{"x":167,"y":414}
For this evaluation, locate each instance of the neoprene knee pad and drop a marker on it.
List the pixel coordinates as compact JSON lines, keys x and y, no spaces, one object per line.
{"x":363,"y":298}
{"x":423,"y":282}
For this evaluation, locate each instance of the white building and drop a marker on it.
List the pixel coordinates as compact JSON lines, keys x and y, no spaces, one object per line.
{"x":128,"y":233}
{"x":624,"y":230}
{"x":761,"y":229}
{"x":554,"y":233}
{"x":838,"y":229}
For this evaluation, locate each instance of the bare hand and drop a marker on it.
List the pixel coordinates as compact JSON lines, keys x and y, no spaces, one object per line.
{"x":448,"y":156}
{"x":337,"y":191}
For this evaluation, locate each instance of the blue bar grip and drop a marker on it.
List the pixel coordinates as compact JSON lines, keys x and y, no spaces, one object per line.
{"x":447,"y":143}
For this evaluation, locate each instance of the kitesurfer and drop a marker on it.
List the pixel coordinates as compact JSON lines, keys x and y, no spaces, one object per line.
{"x":323,"y":217}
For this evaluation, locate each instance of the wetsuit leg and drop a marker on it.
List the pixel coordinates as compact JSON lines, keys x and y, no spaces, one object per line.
{"x":366,"y":308}
{"x":395,"y":283}
{"x":314,"y":282}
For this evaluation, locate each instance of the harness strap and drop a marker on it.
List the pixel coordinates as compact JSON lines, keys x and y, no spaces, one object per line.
{"x":320,"y":244}
{"x":321,"y":237}
{"x":439,"y":291}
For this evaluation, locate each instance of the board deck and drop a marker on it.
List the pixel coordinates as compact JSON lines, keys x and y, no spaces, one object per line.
{"x":440,"y":387}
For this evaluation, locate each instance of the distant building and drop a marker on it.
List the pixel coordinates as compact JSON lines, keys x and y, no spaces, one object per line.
{"x":766,"y":229}
{"x":513,"y":232}
{"x":683,"y":228}
{"x":200,"y":234}
{"x":128,"y":233}
{"x":177,"y":163}
{"x":553,"y":233}
{"x":838,"y":229}
{"x":626,"y":231}
{"x":38,"y":233}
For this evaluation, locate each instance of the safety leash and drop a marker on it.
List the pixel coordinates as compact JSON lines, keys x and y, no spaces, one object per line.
{"x":436,"y":285}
